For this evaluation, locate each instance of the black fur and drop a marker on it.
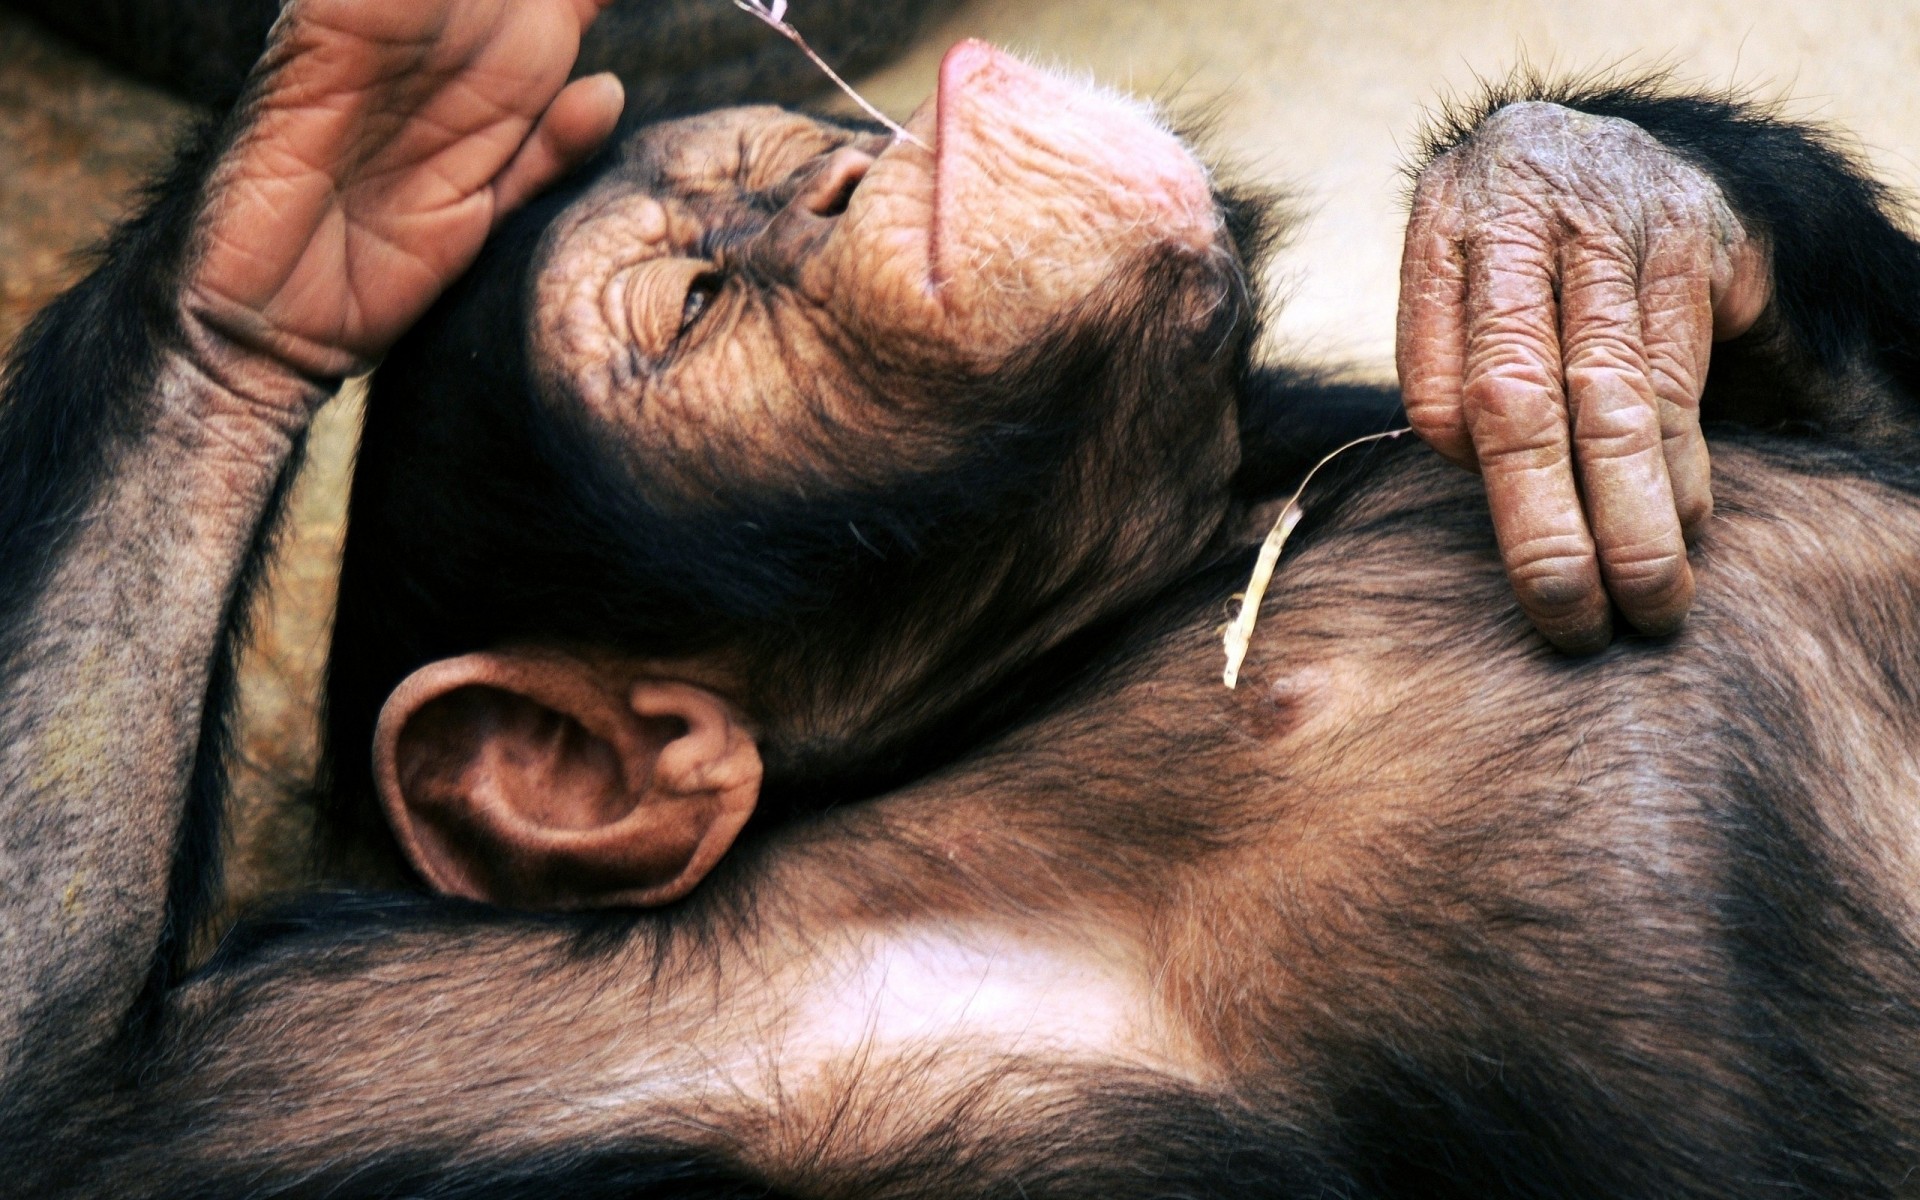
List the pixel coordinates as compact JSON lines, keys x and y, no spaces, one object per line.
{"x":1610,"y":1024}
{"x":1506,"y":1002}
{"x":484,"y":515}
{"x":674,"y":57}
{"x":74,"y":389}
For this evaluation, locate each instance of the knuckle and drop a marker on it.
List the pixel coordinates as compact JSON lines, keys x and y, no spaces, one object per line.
{"x":1432,"y":412}
{"x":1695,"y":510}
{"x":1511,"y":264}
{"x":1512,"y":372}
{"x":1575,"y":163}
{"x":1555,"y":577}
{"x":1602,"y":276}
{"x":1516,"y":417}
{"x":1612,"y":419}
{"x":1601,"y":351}
{"x":1628,"y":453}
{"x":1651,"y":582}
{"x":1640,"y":566}
{"x":1676,"y":282}
{"x":1676,"y":382}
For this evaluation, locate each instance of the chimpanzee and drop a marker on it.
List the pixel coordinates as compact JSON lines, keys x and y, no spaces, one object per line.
{"x":756,"y":489}
{"x":1423,"y":908}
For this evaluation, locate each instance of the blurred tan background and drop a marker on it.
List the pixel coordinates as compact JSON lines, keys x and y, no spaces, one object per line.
{"x":1323,"y":99}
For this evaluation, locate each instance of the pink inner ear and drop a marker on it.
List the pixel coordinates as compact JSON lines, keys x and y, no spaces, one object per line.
{"x":479,"y":746}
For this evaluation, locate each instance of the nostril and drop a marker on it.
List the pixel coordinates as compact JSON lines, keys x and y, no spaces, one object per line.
{"x":832,"y":187}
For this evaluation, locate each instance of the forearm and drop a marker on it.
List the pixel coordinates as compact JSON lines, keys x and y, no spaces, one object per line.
{"x":147,"y":428}
{"x":400,"y":1043}
{"x":412,"y":1045}
{"x":138,"y":482}
{"x":795,"y":1022}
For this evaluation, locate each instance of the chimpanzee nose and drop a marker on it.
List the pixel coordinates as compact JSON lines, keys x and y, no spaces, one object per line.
{"x":827,"y":193}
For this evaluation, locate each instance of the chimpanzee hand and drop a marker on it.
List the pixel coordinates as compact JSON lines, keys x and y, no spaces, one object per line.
{"x":1563,"y":280}
{"x":379,"y":143}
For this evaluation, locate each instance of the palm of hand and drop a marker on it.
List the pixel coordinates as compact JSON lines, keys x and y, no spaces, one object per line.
{"x":381,"y":144}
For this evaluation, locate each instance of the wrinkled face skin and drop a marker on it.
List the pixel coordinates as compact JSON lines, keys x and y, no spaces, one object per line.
{"x":857,"y":436}
{"x":753,"y":288}
{"x":856,"y":429}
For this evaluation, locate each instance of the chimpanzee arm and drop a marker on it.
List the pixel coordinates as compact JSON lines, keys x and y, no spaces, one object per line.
{"x":1571,"y":258}
{"x":791,"y":1027}
{"x":402,"y":1046}
{"x":138,"y":462}
{"x":149,"y":421}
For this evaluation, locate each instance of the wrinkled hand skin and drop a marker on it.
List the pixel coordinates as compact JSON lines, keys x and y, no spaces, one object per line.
{"x":380,"y":144}
{"x":1564,"y":279}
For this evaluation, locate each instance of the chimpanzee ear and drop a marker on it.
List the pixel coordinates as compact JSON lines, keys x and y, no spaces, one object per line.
{"x":530,"y":779}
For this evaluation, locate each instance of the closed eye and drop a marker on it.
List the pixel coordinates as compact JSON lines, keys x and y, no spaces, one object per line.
{"x":664,"y":298}
{"x":700,"y":293}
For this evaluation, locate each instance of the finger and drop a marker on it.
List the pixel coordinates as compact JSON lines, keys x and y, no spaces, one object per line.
{"x":1742,"y":286}
{"x":1431,"y":343}
{"x":1676,"y":333}
{"x":576,"y":124}
{"x":1617,"y":438}
{"x":588,"y":10}
{"x":1516,"y":412}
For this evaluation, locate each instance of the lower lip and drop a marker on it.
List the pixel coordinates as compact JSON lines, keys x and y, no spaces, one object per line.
{"x":957,"y":61}
{"x":962,"y":66}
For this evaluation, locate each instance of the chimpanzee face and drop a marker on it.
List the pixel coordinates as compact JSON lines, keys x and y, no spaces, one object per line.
{"x":851,"y":432}
{"x":758,"y":294}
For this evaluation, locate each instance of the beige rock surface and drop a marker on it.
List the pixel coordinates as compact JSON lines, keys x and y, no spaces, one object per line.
{"x":1324,"y":99}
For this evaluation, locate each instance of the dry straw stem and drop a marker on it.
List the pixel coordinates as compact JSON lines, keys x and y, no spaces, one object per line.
{"x":773,"y":13}
{"x":1239,"y":635}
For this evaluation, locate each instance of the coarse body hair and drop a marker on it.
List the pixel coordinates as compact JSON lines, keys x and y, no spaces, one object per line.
{"x":1446,"y":912}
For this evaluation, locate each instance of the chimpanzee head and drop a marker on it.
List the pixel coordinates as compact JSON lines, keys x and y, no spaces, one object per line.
{"x":772,"y":443}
